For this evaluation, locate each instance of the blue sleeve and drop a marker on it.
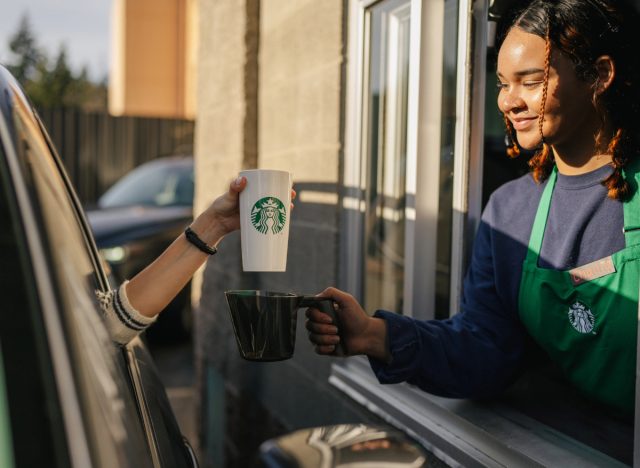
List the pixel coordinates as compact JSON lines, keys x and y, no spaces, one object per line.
{"x":474,"y":354}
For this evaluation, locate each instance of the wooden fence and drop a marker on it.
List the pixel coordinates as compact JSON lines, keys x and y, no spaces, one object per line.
{"x":97,"y":149}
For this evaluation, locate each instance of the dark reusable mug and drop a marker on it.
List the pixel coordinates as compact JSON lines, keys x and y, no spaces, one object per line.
{"x":264,"y":322}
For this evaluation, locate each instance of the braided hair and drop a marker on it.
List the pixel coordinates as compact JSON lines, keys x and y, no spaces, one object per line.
{"x":584,"y":30}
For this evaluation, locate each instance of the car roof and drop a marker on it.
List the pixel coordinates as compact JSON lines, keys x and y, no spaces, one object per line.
{"x":177,"y":160}
{"x":10,"y":87}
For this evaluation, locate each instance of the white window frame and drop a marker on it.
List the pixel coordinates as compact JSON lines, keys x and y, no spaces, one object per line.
{"x":424,"y":126}
{"x":421,"y":210}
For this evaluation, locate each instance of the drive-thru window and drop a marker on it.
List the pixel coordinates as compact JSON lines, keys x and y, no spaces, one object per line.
{"x":424,"y":147}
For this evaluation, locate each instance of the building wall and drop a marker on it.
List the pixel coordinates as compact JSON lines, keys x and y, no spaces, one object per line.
{"x":192,"y":33}
{"x":151,"y":73}
{"x":301,"y":61}
{"x":270,"y":95}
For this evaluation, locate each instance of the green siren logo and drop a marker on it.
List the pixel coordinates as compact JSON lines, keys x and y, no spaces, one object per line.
{"x":268,"y":215}
{"x":581,"y":318}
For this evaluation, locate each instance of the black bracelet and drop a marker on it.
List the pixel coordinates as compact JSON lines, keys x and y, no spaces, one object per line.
{"x":195,"y":240}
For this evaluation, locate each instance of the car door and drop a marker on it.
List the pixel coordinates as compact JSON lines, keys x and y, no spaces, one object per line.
{"x":69,"y":391}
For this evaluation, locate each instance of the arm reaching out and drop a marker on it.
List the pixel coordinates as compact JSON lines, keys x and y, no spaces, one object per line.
{"x":153,"y":288}
{"x":136,"y":303}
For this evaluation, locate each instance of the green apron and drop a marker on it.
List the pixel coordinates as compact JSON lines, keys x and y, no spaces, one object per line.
{"x":586,"y":319}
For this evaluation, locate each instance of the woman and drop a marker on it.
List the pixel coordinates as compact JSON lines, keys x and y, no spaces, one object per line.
{"x":551,"y":263}
{"x":136,"y":304}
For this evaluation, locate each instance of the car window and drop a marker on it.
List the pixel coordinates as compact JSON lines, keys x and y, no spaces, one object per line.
{"x":107,"y":404}
{"x":158,"y":183}
{"x":32,"y":399}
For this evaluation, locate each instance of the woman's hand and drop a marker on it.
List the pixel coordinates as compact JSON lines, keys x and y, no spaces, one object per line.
{"x":225,"y":210}
{"x":223,"y":215}
{"x":153,"y":288}
{"x":360,"y":333}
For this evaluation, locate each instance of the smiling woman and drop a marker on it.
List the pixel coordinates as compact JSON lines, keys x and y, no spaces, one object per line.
{"x":527,"y":84}
{"x":588,"y":100}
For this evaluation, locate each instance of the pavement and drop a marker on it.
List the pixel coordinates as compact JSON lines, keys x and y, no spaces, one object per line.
{"x":175,"y":364}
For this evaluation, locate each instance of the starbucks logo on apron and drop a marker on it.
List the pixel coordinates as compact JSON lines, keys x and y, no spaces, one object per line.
{"x":581,"y":317}
{"x":268,"y":215}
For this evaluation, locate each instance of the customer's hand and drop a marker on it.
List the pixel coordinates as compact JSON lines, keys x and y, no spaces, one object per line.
{"x":360,"y":333}
{"x":223,"y":215}
{"x":225,"y":209}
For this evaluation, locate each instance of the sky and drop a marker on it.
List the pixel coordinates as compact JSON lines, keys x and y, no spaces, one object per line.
{"x":82,"y":25}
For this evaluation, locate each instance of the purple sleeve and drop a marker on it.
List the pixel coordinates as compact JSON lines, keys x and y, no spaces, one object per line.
{"x":474,"y":354}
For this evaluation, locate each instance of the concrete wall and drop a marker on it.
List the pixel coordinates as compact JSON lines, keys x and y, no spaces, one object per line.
{"x":270,"y":94}
{"x":301,"y":61}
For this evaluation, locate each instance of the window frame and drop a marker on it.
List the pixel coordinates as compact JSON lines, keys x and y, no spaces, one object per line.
{"x":420,"y":208}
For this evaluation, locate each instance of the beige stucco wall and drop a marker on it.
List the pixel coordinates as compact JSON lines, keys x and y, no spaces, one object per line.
{"x":222,"y":101}
{"x":298,"y":101}
{"x":299,"y":96}
{"x":269,"y":95}
{"x":152,"y":44}
{"x":300,"y":76}
{"x":220,"y":116}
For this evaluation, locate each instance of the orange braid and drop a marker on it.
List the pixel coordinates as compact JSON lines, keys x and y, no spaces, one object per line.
{"x":542,"y":162}
{"x":618,"y":187}
{"x":513,"y":151}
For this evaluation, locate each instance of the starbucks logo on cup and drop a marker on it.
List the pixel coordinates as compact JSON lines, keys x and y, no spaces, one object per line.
{"x":268,"y":215}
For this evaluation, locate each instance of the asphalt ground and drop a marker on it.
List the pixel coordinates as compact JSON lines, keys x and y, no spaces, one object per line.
{"x":175,"y":364}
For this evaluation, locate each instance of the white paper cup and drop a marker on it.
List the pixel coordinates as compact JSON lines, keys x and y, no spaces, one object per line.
{"x":265,"y":206}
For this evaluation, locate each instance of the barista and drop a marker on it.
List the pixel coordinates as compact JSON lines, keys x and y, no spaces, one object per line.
{"x":557,"y":255}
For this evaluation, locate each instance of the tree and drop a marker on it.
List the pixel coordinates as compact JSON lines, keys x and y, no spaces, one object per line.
{"x":23,"y":45}
{"x":51,"y":85}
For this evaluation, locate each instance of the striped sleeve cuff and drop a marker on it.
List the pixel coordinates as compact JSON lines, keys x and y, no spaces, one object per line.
{"x":123,"y":321}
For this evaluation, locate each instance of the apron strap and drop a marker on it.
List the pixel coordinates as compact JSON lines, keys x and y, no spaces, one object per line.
{"x":632,"y":206}
{"x":540,"y":222}
{"x":631,"y":211}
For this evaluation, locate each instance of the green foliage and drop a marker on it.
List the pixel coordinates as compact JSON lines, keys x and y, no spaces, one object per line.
{"x":51,"y":83}
{"x":23,"y":46}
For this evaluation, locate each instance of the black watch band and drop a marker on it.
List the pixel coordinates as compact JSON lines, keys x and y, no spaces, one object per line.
{"x":199,"y":243}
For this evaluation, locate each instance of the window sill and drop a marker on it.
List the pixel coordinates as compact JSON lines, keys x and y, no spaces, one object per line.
{"x":464,"y":432}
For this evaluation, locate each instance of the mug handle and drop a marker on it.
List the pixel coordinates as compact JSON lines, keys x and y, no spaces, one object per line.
{"x":325,"y":304}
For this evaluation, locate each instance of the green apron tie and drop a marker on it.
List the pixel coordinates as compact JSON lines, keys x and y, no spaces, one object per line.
{"x":586,"y":319}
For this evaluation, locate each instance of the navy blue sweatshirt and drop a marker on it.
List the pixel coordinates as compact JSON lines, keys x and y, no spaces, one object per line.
{"x":480,"y":351}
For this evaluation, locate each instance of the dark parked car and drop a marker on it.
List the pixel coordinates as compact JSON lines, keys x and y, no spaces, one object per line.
{"x":137,"y":218}
{"x":69,"y":396}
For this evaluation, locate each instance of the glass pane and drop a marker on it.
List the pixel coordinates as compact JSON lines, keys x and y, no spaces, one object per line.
{"x":30,"y":398}
{"x":386,"y":153}
{"x":445,"y":202}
